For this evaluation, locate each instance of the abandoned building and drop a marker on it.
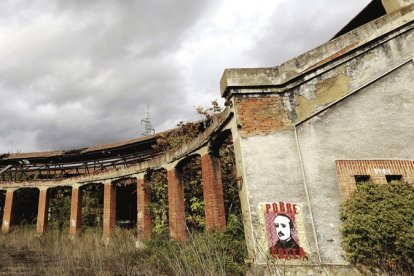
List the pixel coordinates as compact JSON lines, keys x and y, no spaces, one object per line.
{"x":304,"y":133}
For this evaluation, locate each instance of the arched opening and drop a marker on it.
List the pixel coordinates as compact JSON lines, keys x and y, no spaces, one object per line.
{"x":126,"y":202}
{"x":222,"y":146}
{"x":59,"y":207}
{"x":25,"y":205}
{"x":92,"y":206}
{"x":193,"y":193}
{"x":156,"y":185}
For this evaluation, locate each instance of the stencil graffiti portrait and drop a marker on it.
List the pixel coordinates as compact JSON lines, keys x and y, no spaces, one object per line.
{"x":281,"y":223}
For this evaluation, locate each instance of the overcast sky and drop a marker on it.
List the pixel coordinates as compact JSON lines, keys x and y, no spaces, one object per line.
{"x":76,"y":73}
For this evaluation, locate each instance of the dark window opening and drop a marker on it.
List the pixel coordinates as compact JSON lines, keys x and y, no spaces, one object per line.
{"x":361,"y":178}
{"x":126,"y":203}
{"x":393,"y":178}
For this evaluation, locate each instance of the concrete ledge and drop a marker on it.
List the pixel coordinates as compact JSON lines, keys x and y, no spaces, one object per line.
{"x":315,"y":59}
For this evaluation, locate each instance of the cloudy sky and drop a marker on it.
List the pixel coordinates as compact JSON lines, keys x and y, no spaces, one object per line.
{"x":76,"y":73}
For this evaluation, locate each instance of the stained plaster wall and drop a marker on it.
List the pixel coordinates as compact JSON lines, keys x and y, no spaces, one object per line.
{"x":374,"y":123}
{"x":272,"y":173}
{"x":297,"y":165}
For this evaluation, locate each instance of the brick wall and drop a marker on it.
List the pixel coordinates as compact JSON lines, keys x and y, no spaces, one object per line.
{"x":8,"y":212}
{"x":176,"y":208}
{"x":42,"y":211}
{"x":377,"y":170}
{"x":144,"y":220}
{"x":75,"y":211}
{"x":261,"y":115}
{"x":109,"y":209}
{"x":213,"y":192}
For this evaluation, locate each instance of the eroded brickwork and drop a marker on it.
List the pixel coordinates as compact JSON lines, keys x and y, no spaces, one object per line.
{"x":42,"y":212}
{"x":176,"y":208}
{"x":109,"y":210}
{"x":8,"y":211}
{"x":213,"y":192}
{"x":75,"y":211}
{"x":377,"y":170}
{"x":261,"y":115}
{"x":144,"y":217}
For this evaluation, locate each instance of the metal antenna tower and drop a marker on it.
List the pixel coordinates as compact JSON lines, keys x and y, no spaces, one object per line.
{"x":147,"y":124}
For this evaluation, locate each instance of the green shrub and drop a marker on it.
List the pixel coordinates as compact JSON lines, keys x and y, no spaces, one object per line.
{"x":378,"y":226}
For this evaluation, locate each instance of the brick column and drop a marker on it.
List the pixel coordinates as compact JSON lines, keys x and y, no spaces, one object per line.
{"x":75,"y":211}
{"x":8,"y":211}
{"x":144,"y":220}
{"x":213,"y":192}
{"x":176,"y":207}
{"x":109,"y":211}
{"x":42,"y":211}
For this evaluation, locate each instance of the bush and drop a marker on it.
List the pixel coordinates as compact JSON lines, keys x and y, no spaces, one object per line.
{"x":378,"y":227}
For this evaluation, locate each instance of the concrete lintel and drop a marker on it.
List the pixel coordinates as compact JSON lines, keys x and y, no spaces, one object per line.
{"x":139,"y":175}
{"x":203,"y":151}
{"x":172,"y":165}
{"x":76,"y":185}
{"x":11,"y":189}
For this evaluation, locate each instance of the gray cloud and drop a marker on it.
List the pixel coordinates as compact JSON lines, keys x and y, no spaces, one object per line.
{"x":296,"y":28}
{"x":79,"y":73}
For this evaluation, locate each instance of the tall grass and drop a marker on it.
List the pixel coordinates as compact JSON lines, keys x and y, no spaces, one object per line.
{"x":54,"y":253}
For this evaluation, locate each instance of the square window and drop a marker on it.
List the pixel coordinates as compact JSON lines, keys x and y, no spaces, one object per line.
{"x":394,"y":177}
{"x":361,"y":178}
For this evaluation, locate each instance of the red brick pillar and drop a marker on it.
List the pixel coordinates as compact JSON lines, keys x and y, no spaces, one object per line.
{"x":176,"y":209}
{"x":8,"y":211}
{"x":213,"y":192}
{"x":42,"y":211}
{"x":109,"y":211}
{"x":144,"y":220}
{"x":75,"y":211}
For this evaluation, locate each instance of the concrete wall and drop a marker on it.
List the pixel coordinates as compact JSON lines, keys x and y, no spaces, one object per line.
{"x":374,"y":123}
{"x":357,"y":106}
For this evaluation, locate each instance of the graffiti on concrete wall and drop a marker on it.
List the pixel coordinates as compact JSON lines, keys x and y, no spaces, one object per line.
{"x":283,"y":226}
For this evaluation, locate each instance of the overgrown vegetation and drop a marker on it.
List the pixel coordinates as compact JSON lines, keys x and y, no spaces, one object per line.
{"x":193,"y":195}
{"x":59,"y":208}
{"x":92,"y":206}
{"x":186,"y":132}
{"x":205,"y":253}
{"x":191,"y":170}
{"x":378,"y":227}
{"x":25,"y":206}
{"x":24,"y":253}
{"x":156,"y":184}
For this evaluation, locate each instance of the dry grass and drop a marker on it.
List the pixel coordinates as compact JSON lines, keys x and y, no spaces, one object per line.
{"x":22,"y":252}
{"x":55,"y":253}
